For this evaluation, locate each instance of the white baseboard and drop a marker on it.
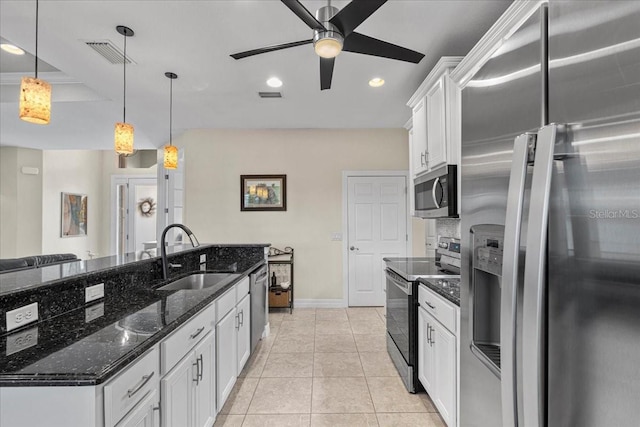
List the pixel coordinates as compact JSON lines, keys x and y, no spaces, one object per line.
{"x":319,"y":303}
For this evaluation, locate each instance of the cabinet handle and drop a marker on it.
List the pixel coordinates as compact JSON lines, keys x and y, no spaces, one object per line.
{"x":432,"y":340}
{"x":422,"y":159}
{"x":238,"y":321}
{"x":428,"y":334}
{"x":145,"y":379}
{"x":200,"y":367}
{"x":197,"y":365}
{"x":242,"y":318}
{"x":426,"y":159}
{"x":433,"y":307}
{"x":196,"y":333}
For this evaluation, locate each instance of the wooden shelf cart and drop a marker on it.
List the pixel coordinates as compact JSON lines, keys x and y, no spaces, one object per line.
{"x":281,"y":267}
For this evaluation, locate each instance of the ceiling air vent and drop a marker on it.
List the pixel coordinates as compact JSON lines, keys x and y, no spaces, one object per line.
{"x":270,"y":94}
{"x":108,"y":51}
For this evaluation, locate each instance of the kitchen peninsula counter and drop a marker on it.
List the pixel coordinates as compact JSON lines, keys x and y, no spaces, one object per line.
{"x":92,"y":342}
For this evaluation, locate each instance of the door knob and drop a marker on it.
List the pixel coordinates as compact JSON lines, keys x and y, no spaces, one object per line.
{"x":353,"y":248}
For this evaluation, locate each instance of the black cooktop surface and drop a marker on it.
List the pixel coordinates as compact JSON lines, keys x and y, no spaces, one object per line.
{"x":415,"y":268}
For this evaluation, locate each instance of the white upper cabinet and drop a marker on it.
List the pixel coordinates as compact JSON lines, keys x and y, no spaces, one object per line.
{"x":436,"y":119}
{"x":419,"y":138}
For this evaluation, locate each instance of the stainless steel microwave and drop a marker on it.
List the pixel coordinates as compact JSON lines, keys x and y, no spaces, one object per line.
{"x":436,"y":193}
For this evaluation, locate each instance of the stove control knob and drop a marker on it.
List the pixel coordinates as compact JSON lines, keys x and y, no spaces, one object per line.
{"x":443,"y":245}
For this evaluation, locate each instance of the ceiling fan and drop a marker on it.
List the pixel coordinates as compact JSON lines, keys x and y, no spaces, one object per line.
{"x":333,"y":32}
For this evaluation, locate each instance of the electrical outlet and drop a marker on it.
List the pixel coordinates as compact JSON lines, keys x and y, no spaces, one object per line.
{"x":22,"y":316}
{"x":336,"y":237}
{"x":203,"y":258}
{"x":94,"y":292}
{"x":22,"y":340}
{"x":93,"y":312}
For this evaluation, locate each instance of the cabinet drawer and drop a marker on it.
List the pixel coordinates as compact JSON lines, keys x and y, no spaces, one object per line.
{"x":438,"y":307}
{"x":123,"y":392}
{"x":225,"y":303}
{"x":242,"y":289}
{"x":173,"y":348}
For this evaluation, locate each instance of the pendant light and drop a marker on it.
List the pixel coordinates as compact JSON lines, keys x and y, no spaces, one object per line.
{"x":171,"y":151}
{"x":35,"y":94}
{"x":123,"y":137}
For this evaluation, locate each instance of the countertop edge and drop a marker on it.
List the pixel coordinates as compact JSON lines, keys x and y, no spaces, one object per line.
{"x":439,"y":292}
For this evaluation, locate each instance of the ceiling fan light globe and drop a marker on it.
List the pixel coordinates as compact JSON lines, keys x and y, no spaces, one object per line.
{"x":328,"y":47}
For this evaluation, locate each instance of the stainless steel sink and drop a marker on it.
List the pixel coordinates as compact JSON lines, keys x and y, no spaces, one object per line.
{"x":197,"y":281}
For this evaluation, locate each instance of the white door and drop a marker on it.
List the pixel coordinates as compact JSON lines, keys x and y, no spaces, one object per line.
{"x":377,"y":228}
{"x":142,"y":214}
{"x":135,"y":214}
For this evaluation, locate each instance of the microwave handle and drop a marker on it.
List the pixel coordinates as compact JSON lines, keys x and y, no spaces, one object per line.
{"x":436,"y":182}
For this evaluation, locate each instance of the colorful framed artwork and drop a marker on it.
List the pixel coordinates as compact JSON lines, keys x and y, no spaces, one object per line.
{"x":263,"y":192}
{"x":74,"y":215}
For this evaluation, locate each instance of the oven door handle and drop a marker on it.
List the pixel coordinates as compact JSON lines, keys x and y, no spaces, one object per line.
{"x":404,"y":287}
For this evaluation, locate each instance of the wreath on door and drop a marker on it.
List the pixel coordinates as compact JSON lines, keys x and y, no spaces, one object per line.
{"x":147,"y":207}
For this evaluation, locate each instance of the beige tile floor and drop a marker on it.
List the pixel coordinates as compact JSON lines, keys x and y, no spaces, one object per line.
{"x":325,"y":367}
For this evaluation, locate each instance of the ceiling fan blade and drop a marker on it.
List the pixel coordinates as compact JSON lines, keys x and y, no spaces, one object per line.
{"x":302,"y":12}
{"x":241,"y":55}
{"x":326,"y":72}
{"x":354,"y":14}
{"x":359,"y":43}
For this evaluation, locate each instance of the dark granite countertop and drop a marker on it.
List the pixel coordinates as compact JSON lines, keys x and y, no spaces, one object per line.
{"x":449,"y":290}
{"x":412,"y":268}
{"x":90,"y":344}
{"x":22,"y":280}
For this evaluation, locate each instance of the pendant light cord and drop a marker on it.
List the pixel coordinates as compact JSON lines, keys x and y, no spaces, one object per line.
{"x":124,"y":71}
{"x":37,"y":4}
{"x":171,"y":112}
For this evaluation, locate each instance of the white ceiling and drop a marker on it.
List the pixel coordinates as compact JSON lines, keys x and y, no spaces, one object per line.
{"x":194,"y":39}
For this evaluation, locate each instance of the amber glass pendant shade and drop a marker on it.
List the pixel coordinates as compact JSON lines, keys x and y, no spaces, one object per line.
{"x":35,"y":101}
{"x":123,"y":138}
{"x":170,"y":157}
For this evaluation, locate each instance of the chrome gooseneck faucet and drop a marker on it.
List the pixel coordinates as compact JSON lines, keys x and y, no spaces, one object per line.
{"x":163,"y":247}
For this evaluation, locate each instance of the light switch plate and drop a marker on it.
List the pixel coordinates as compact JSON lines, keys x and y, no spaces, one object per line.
{"x":94,"y":292}
{"x":336,"y":237}
{"x":22,"y":316}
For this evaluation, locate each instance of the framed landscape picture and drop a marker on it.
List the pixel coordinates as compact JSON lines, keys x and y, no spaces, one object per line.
{"x":263,"y":192}
{"x":74,"y":215}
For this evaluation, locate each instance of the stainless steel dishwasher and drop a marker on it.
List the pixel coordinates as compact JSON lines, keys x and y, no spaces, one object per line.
{"x":258,"y":291}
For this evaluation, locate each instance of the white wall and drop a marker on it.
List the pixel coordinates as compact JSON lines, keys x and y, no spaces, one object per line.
{"x":20,"y":202}
{"x":313,"y":161}
{"x":72,"y":171}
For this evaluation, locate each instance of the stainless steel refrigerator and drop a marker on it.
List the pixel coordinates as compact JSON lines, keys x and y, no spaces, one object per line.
{"x":550,"y":291}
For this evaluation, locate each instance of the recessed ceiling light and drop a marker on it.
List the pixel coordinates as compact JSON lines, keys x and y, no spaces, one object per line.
{"x":274,"y":82}
{"x":11,"y":49}
{"x":376,"y":82}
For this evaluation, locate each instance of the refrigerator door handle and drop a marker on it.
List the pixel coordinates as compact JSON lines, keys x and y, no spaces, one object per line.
{"x":522,"y":146}
{"x":533,"y":354}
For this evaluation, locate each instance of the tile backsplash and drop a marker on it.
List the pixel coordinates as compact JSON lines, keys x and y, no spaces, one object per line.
{"x":448,"y":227}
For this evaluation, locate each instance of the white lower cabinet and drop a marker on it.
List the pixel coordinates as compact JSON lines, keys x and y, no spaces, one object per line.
{"x":437,"y":356}
{"x":244,"y":332}
{"x":145,"y":414}
{"x":226,"y":356}
{"x":188,"y":389}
